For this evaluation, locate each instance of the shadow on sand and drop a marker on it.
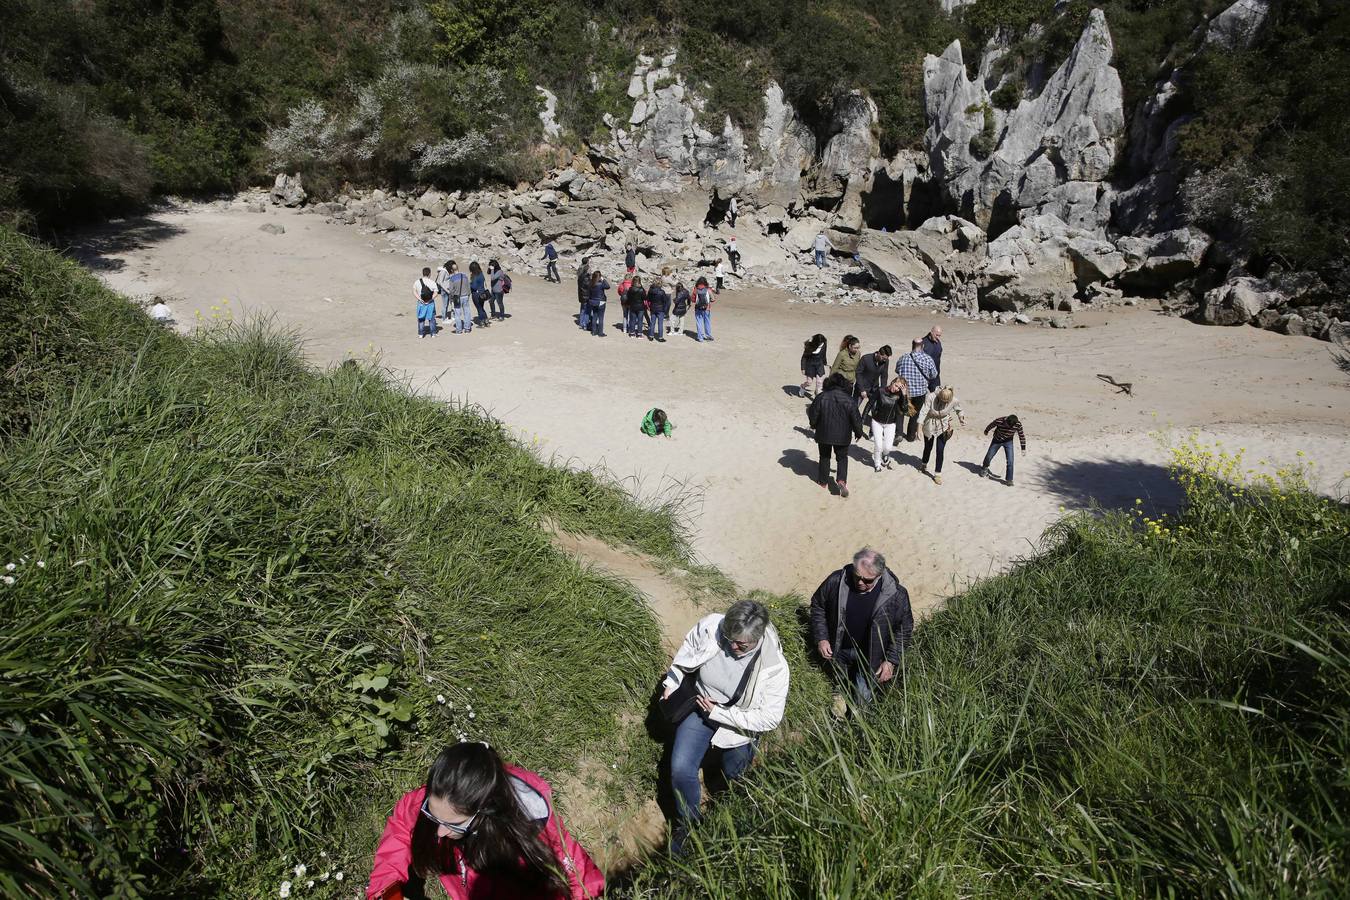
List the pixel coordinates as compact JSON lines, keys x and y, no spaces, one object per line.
{"x":1111,"y":484}
{"x":98,"y":248}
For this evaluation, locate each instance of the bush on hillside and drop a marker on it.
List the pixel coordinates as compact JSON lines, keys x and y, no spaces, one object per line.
{"x":249,"y":601}
{"x":1152,"y":707}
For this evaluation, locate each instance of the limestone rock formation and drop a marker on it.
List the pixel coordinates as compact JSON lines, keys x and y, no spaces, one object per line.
{"x":288,"y":191}
{"x":664,"y":147}
{"x":548,"y":112}
{"x":1051,"y":155}
{"x":1159,"y":261}
{"x":1237,"y":27}
{"x":1238,"y":302}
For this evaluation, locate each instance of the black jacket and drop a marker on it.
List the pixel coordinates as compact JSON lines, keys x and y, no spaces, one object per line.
{"x":934,"y":349}
{"x":870,"y":372}
{"x":834,"y":417}
{"x":892,"y":618}
{"x":635,"y":297}
{"x":681,"y":301}
{"x":660,"y":300}
{"x":885,"y":407}
{"x":583,"y":283}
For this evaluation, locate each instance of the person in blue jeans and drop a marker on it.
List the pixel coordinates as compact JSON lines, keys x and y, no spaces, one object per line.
{"x":658,"y":298}
{"x":595,"y":305}
{"x":1004,"y":429}
{"x":861,"y":622}
{"x":635,"y":305}
{"x":457,"y":289}
{"x":729,"y":680}
{"x":703,"y":301}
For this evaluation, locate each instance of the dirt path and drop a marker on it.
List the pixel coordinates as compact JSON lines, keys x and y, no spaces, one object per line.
{"x":621,"y":834}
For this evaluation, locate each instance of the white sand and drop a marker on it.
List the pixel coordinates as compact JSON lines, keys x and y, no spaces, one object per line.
{"x":741,"y":450}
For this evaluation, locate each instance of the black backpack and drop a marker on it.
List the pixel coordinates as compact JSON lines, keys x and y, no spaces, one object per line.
{"x":427,"y":293}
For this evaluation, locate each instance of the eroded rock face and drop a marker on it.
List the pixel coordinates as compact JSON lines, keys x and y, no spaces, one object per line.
{"x":664,"y":147}
{"x":1049,"y":156}
{"x":1238,"y":302}
{"x":1237,"y":27}
{"x":288,"y":191}
{"x":1159,"y":261}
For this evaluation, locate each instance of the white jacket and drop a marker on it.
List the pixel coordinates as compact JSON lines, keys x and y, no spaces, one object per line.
{"x":935,"y":421}
{"x":760,"y":708}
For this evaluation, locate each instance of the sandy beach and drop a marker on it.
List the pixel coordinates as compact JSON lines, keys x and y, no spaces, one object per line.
{"x":742,"y":456}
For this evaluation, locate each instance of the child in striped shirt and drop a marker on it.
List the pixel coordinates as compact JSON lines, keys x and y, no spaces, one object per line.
{"x":1004,"y":429}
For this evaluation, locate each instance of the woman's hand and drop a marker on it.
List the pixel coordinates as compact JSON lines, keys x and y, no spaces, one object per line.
{"x":668,"y":692}
{"x":705,"y":703}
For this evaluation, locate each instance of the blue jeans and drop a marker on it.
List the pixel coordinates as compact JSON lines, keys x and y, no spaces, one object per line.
{"x":703,"y":323}
{"x":480,"y":304}
{"x":633,"y":321}
{"x":1007,"y":448}
{"x":693,"y":737}
{"x":852,"y":674}
{"x":597,"y":322}
{"x":446,"y":303}
{"x":820,"y":259}
{"x":462,"y":320}
{"x":498,"y":305}
{"x":584,"y":319}
{"x":656,"y":325}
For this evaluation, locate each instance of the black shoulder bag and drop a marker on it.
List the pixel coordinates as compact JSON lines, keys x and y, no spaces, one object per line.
{"x":684,"y":699}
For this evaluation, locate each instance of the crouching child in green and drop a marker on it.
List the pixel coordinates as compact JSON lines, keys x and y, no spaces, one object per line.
{"x":656,"y":422}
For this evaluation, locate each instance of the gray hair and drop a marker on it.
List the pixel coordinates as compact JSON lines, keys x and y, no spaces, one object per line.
{"x":745,"y":620}
{"x":869,"y":559}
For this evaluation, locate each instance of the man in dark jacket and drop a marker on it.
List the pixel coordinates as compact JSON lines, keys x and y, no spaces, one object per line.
{"x":932,"y":345}
{"x":872,"y":371}
{"x":834,"y":418}
{"x":584,"y":292}
{"x":861,"y":622}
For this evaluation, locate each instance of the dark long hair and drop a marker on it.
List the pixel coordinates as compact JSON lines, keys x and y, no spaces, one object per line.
{"x":502,"y":841}
{"x":848,"y":341}
{"x":814,"y":344}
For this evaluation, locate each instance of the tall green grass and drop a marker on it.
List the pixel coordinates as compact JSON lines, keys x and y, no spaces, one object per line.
{"x":250,"y":600}
{"x":1147,"y":709}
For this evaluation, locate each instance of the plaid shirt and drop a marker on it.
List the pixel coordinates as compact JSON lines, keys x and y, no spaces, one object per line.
{"x":918,"y":371}
{"x":1004,"y":432}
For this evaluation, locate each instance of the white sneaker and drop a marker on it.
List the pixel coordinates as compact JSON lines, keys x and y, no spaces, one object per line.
{"x":876,"y":466}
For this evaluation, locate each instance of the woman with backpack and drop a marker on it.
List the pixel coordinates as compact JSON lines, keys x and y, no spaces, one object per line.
{"x":595,"y":304}
{"x":679,"y":306}
{"x":658,"y":307}
{"x":499,"y":283}
{"x":635,"y":302}
{"x":457,"y":286}
{"x":813,"y":365}
{"x":485,"y":829}
{"x":424,"y":293}
{"x":478,"y":290}
{"x":703,"y":301}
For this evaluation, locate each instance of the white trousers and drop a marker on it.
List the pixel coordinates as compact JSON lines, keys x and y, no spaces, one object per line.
{"x":883,"y":436}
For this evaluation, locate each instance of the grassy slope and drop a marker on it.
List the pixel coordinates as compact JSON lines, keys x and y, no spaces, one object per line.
{"x":256,"y":581}
{"x":1143,"y":710}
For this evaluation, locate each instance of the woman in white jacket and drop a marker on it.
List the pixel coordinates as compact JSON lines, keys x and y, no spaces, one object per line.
{"x":732,"y":667}
{"x":936,"y":418}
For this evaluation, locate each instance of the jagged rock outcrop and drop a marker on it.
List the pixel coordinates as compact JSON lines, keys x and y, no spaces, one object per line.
{"x":288,"y":191}
{"x":1237,"y":27}
{"x":1157,"y":262}
{"x":664,"y":147}
{"x":848,"y":160}
{"x":1051,"y":155}
{"x":548,"y":112}
{"x":937,"y":256}
{"x":1238,"y":302}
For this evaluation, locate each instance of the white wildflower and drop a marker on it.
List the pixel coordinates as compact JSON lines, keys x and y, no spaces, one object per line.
{"x":8,"y":579}
{"x":337,"y":876}
{"x":300,"y":870}
{"x":440,"y":698}
{"x":310,"y":883}
{"x":285,"y":889}
{"x":470,"y":715}
{"x":9,"y":567}
{"x":41,"y":564}
{"x":323,"y":854}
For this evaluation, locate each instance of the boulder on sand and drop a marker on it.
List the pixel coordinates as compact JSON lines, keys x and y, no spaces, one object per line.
{"x":1238,"y":302}
{"x":288,"y":191}
{"x":1160,"y":261}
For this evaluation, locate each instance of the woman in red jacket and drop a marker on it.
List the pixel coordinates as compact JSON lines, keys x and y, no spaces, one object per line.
{"x":487,"y":830}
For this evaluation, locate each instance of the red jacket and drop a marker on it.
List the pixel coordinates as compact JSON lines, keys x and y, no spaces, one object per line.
{"x":394,"y":854}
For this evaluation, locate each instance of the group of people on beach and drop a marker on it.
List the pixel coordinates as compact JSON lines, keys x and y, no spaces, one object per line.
{"x":485,"y":828}
{"x":445,"y":297}
{"x":651,"y":311}
{"x":915,"y":393}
